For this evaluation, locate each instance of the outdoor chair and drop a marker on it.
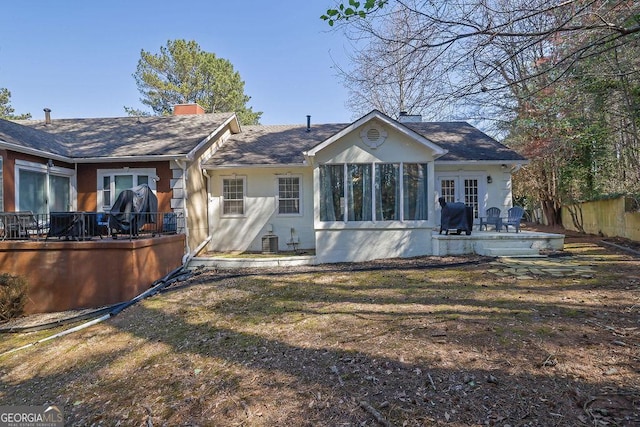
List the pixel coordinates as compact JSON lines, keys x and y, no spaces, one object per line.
{"x":492,"y":218}
{"x":169,"y":223}
{"x":514,"y":216}
{"x":21,"y":225}
{"x":66,"y":225}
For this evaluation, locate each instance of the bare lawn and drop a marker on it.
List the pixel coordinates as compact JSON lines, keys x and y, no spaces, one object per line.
{"x":427,"y":341}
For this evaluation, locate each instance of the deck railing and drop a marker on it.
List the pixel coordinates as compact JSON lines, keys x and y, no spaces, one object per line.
{"x":76,"y":226}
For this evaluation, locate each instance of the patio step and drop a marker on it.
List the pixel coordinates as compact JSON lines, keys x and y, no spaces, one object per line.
{"x":510,"y":252}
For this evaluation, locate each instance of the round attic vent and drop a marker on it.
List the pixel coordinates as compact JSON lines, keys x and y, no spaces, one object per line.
{"x":373,"y":135}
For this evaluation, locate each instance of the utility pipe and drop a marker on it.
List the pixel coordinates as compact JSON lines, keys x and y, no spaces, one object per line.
{"x":157,"y":287}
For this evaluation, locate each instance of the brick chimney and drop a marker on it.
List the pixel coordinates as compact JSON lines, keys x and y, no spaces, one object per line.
{"x":184,"y":109}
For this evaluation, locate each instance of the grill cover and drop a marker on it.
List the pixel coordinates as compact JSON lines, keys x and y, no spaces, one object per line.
{"x":455,"y":216}
{"x":133,"y":208}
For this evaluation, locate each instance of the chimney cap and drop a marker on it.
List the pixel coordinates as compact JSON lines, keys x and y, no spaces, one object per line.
{"x":47,"y":110}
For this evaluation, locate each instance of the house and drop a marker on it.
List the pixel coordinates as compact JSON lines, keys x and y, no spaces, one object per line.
{"x":83,"y":164}
{"x":355,"y":191}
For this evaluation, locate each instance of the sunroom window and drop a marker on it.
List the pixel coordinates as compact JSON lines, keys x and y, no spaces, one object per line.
{"x":373,"y":192}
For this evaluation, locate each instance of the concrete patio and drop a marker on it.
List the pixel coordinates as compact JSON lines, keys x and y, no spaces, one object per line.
{"x":487,"y":243}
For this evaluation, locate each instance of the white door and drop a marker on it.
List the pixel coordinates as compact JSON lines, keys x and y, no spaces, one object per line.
{"x":461,"y":188}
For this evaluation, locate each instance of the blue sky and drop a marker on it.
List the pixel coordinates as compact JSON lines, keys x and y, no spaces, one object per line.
{"x":78,"y":57}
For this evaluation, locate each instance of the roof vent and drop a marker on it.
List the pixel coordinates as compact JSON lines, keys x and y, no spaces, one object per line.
{"x":308,"y":123}
{"x":373,"y":135}
{"x":47,"y":116}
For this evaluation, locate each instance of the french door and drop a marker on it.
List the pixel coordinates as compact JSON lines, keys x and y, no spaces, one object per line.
{"x":461,"y":188}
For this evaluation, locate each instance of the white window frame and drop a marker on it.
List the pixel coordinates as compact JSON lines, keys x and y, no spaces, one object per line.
{"x":47,"y":170}
{"x":459,"y":178}
{"x":243,"y":178}
{"x":277,"y":184}
{"x":135,"y":172}
{"x":344,"y":204}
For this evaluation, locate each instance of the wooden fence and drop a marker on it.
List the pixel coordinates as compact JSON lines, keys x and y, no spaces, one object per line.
{"x":616,"y":217}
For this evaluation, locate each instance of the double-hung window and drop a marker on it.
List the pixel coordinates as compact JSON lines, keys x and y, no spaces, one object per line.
{"x":373,"y":192}
{"x":289,"y":195}
{"x":233,"y":192}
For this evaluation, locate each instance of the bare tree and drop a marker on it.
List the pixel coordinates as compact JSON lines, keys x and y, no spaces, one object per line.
{"x":480,"y":46}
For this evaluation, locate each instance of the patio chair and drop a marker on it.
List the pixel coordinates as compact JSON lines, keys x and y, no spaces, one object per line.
{"x":169,"y":223}
{"x":514,"y":216}
{"x":21,"y":225}
{"x":492,"y":218}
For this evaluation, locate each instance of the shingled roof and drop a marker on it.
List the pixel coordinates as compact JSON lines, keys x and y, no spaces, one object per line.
{"x":31,"y":139}
{"x":119,"y":137}
{"x":271,"y":145}
{"x":464,"y":142}
{"x":280,"y":145}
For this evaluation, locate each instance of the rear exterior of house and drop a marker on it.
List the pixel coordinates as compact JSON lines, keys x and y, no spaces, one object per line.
{"x":83,"y":164}
{"x":351,"y":192}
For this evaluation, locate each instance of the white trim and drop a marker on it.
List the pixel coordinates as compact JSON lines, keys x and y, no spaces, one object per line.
{"x":233,"y":118}
{"x":300,"y":195}
{"x":375,"y":222}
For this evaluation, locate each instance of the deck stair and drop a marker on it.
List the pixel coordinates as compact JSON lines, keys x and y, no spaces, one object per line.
{"x":507,"y":248}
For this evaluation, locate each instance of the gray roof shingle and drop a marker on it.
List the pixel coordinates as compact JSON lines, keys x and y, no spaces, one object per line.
{"x":115,"y":137}
{"x":269,"y":145}
{"x":29,"y":138}
{"x":464,"y":142}
{"x":274,"y":145}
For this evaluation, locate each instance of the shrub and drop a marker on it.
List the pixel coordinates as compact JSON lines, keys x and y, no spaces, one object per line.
{"x":13,"y":296}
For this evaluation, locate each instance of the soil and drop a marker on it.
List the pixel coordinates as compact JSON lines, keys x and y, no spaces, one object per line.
{"x":455,"y":341}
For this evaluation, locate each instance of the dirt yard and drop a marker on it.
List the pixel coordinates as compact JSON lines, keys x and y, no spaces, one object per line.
{"x":463,"y":341}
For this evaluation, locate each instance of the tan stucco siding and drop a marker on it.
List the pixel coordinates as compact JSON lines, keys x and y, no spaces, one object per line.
{"x":245,"y":232}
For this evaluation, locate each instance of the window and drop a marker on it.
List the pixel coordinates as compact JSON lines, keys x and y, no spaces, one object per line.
{"x":388,"y":192}
{"x":415,"y":191}
{"x":448,"y":190}
{"x":331,"y":192}
{"x":289,"y":195}
{"x":111,"y":182}
{"x":374,"y":192}
{"x":233,"y":196}
{"x":359,"y":192}
{"x":42,"y":189}
{"x":471,"y":194}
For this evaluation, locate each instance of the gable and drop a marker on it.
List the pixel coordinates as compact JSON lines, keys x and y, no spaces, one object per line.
{"x":375,"y":141}
{"x":379,"y":136}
